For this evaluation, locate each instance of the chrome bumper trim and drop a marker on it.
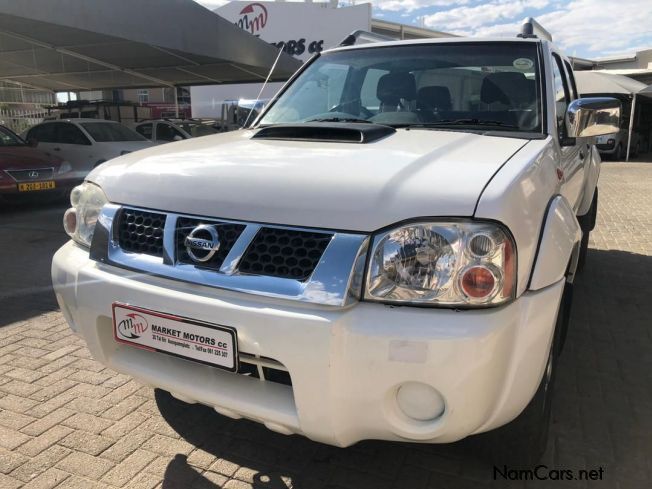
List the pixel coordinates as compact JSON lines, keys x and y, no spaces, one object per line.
{"x":336,"y":280}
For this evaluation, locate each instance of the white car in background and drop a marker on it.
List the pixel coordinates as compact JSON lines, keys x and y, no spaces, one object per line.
{"x":85,"y":143}
{"x":166,"y":131}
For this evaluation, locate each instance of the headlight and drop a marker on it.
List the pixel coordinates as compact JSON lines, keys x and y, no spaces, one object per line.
{"x":79,"y":221}
{"x":443,"y":264}
{"x":65,"y":167}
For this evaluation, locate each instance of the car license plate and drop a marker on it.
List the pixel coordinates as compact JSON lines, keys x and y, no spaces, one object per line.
{"x":206,"y":343}
{"x":33,"y":186}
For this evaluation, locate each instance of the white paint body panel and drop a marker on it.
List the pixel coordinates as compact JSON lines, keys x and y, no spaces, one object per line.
{"x":561,"y":234}
{"x":321,"y":347}
{"x":356,"y":187}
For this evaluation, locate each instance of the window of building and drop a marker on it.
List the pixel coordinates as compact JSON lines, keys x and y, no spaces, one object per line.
{"x":143,"y":96}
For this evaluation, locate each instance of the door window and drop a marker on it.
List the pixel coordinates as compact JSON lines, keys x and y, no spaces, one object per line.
{"x":70,"y":134}
{"x":43,"y":133}
{"x":561,"y":94}
{"x":571,"y":78}
{"x":145,"y":130}
{"x":165,"y":132}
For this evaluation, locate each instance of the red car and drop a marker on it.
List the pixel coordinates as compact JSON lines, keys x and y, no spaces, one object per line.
{"x":26,"y":171}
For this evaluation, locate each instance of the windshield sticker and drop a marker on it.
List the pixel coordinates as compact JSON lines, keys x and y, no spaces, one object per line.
{"x":523,"y":63}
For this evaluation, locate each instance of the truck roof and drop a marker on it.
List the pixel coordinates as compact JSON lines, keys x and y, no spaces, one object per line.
{"x":440,"y":40}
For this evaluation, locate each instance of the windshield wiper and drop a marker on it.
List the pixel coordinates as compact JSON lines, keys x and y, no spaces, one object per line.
{"x":465,"y":122}
{"x":340,"y":119}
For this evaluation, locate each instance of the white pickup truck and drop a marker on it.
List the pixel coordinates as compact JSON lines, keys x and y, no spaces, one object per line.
{"x":386,"y":253}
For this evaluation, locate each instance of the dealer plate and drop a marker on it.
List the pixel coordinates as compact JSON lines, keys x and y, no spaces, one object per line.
{"x":33,"y":186}
{"x":206,"y":343}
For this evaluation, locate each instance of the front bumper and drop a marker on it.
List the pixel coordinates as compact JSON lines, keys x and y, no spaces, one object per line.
{"x":346,"y":364}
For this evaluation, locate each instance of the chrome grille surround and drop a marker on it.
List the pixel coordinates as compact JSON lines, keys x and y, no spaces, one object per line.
{"x":335,"y":281}
{"x":22,"y":176}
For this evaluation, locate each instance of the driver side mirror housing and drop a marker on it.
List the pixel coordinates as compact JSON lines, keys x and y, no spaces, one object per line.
{"x":593,"y":116}
{"x":32,"y":142}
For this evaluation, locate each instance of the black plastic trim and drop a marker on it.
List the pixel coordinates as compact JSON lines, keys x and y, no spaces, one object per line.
{"x":333,"y":132}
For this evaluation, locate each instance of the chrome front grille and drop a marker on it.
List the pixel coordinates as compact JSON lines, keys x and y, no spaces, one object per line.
{"x":228,"y":232}
{"x":141,"y":231}
{"x":33,"y":175}
{"x":303,"y":264}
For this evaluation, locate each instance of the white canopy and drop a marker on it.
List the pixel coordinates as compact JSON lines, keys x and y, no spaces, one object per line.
{"x":593,"y":82}
{"x":102,"y":44}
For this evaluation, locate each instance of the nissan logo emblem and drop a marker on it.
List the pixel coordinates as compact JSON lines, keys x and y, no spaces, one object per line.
{"x":33,"y":174}
{"x":202,"y":243}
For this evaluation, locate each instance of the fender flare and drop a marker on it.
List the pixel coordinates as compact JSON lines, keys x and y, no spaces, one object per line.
{"x":559,"y":244}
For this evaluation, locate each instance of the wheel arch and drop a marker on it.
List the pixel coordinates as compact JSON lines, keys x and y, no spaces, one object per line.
{"x":559,"y":244}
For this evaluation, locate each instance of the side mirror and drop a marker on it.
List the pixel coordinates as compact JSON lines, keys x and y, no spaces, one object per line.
{"x":32,"y":142}
{"x":593,"y":116}
{"x":177,"y":138}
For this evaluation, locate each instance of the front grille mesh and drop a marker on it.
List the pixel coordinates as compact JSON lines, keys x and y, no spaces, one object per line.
{"x":228,"y":233}
{"x":141,"y":232}
{"x":284,"y":253}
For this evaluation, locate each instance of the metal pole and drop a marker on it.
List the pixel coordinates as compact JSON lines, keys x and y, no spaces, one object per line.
{"x":631,"y":125}
{"x":176,"y":102}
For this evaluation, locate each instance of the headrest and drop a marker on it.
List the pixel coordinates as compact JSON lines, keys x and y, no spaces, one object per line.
{"x":393,"y":87}
{"x":508,"y":88}
{"x":434,"y":97}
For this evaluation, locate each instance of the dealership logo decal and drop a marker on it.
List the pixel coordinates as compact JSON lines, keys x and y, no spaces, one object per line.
{"x":253,"y":18}
{"x":202,"y":243}
{"x":133,"y":326}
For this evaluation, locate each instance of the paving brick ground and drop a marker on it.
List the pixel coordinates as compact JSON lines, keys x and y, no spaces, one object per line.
{"x":67,"y":422}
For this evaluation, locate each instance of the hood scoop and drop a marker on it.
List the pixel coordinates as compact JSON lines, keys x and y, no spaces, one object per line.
{"x":333,"y":132}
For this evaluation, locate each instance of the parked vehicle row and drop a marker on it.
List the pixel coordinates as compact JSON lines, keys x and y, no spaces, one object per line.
{"x":85,"y":143}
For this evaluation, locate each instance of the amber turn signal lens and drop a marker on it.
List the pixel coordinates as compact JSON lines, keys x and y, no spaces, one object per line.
{"x":478,"y":282}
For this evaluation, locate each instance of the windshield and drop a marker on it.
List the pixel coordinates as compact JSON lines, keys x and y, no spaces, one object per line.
{"x":8,"y":138}
{"x":197,"y":129}
{"x":106,"y":132}
{"x":470,"y":85}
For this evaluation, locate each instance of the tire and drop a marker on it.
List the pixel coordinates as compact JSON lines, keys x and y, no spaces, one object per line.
{"x":587,"y":223}
{"x":619,"y":155}
{"x":522,"y":442}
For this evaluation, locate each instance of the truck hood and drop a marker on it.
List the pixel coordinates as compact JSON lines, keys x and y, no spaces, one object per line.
{"x":358,"y":187}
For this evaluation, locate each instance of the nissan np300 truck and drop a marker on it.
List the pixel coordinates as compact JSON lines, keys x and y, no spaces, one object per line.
{"x":387,"y":252}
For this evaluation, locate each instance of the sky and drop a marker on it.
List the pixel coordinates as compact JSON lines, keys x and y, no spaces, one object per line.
{"x":584,"y":28}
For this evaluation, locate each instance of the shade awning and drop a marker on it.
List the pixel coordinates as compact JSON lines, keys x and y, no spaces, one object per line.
{"x":64,"y":45}
{"x":591,"y":82}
